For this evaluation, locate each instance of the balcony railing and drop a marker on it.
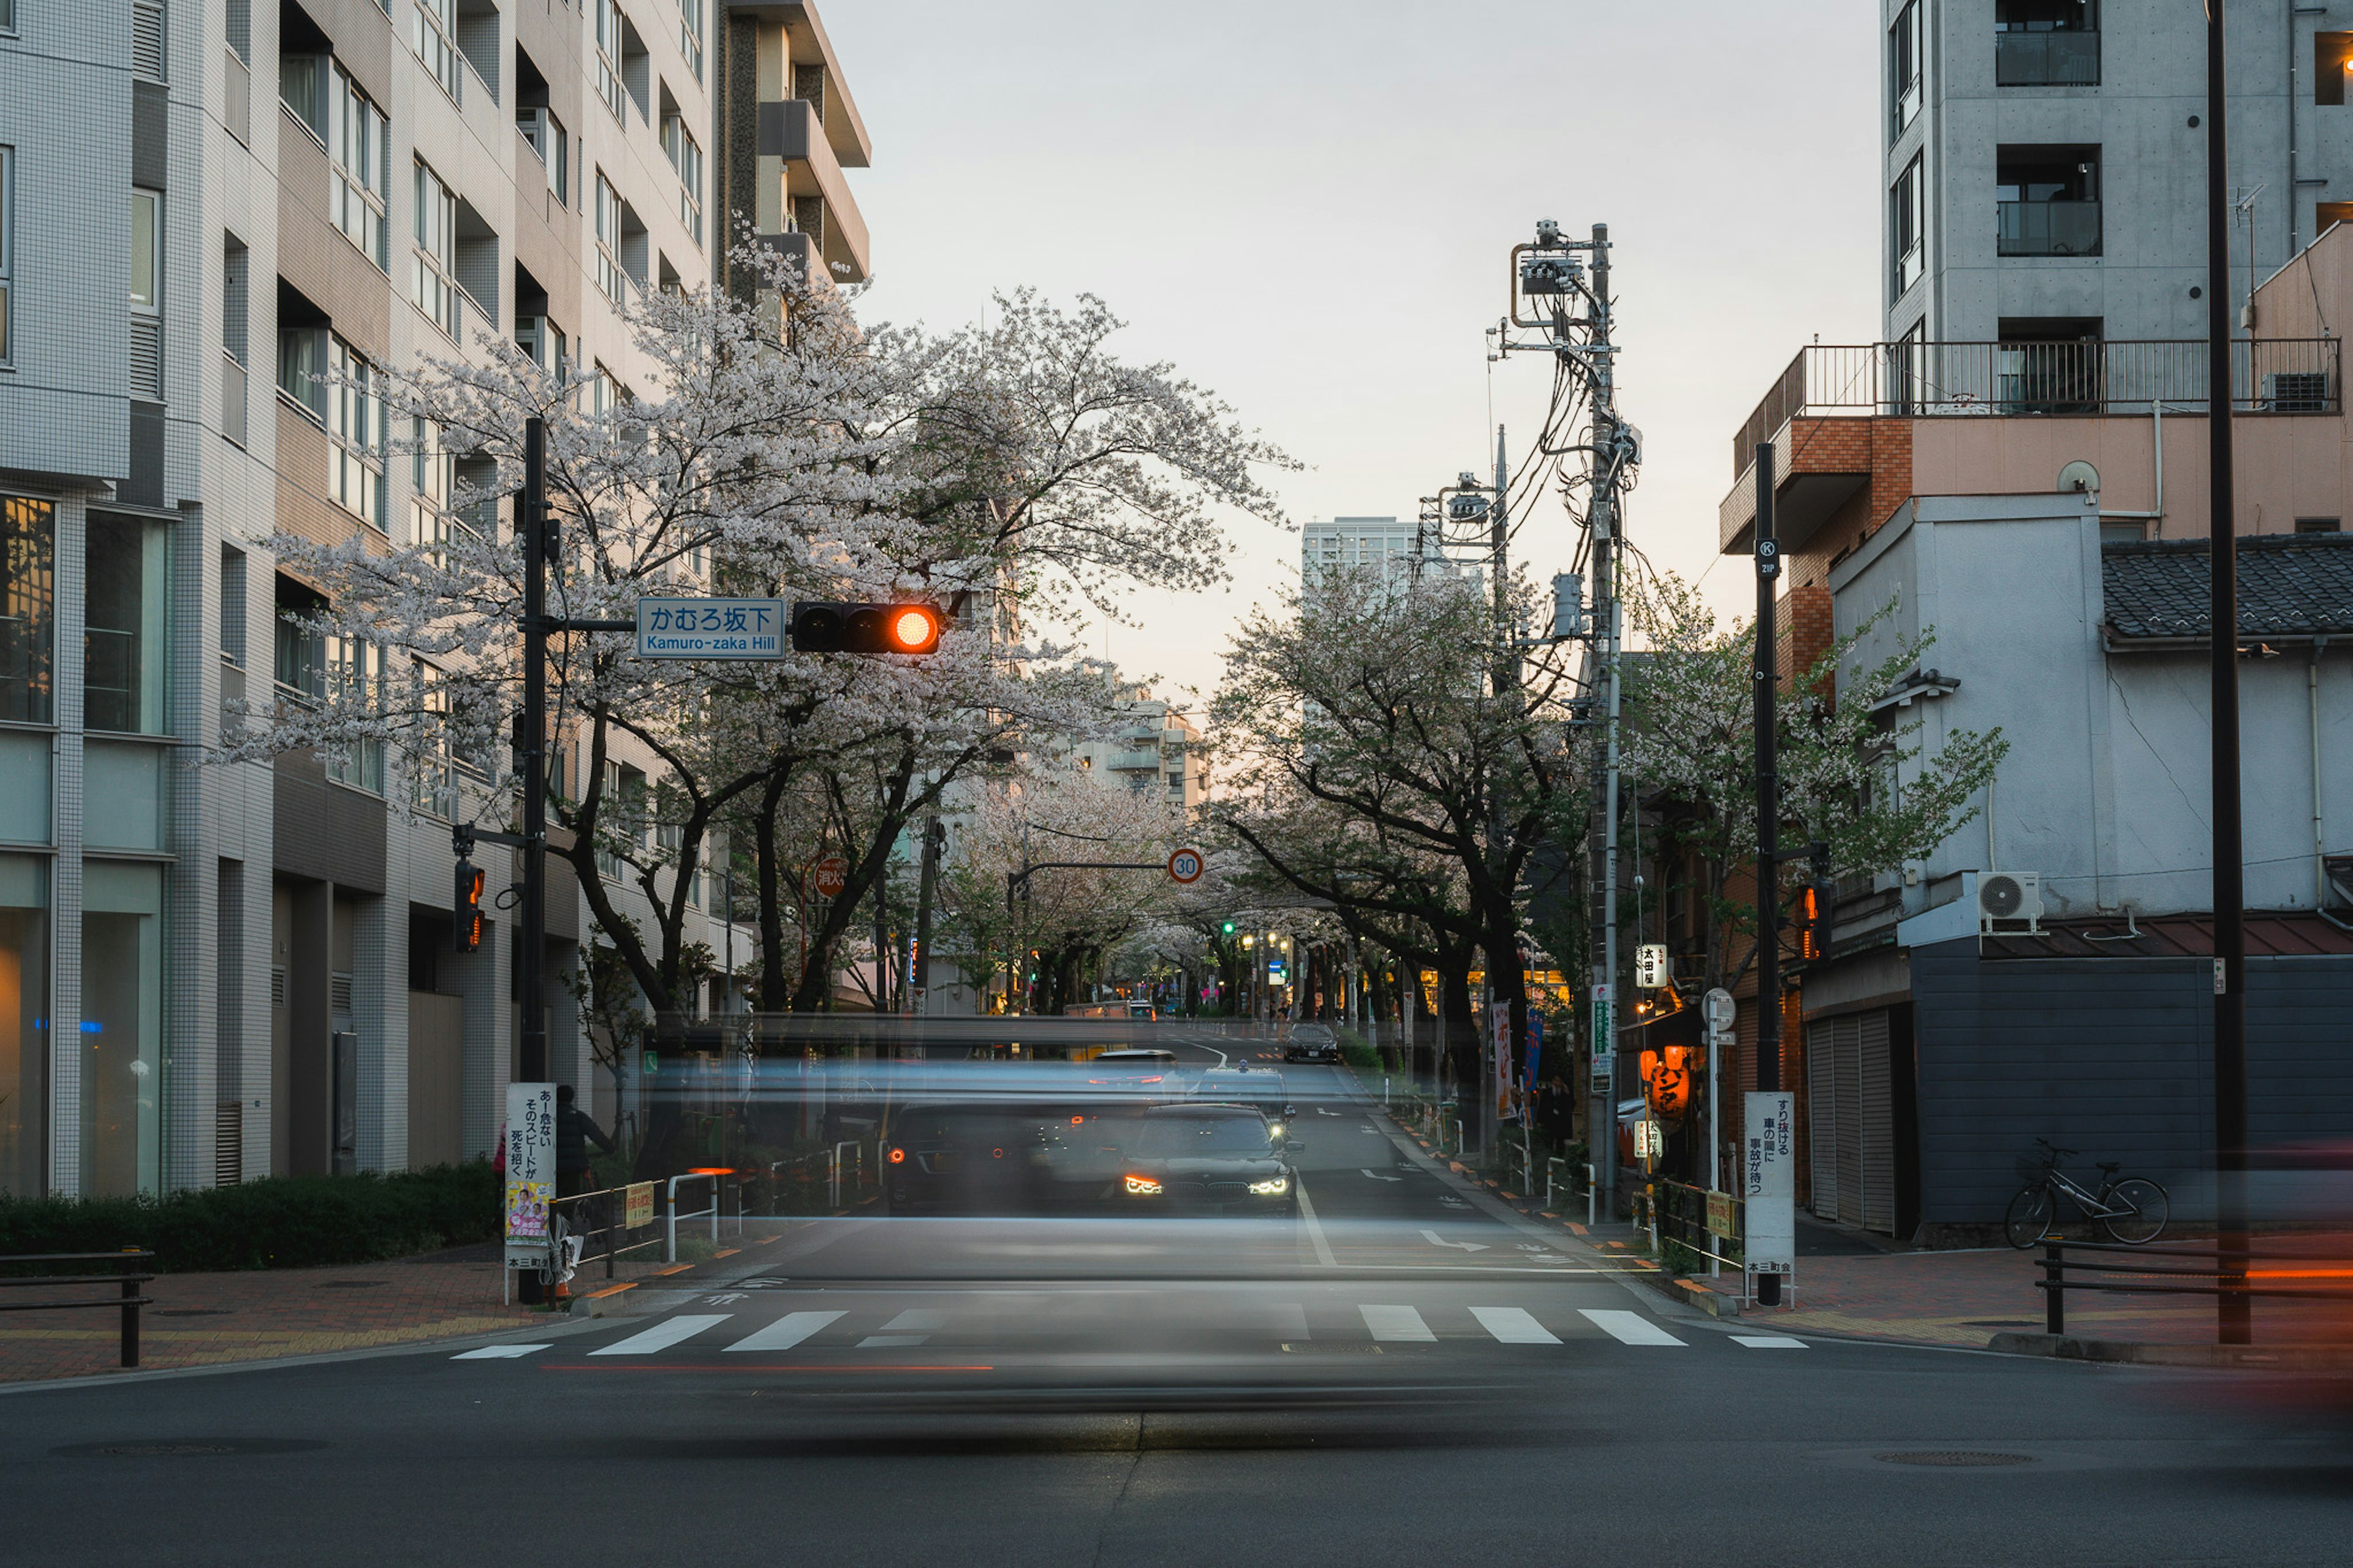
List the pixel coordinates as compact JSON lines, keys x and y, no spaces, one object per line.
{"x":1914,"y":380}
{"x":2048,"y":229}
{"x":2046,"y":59}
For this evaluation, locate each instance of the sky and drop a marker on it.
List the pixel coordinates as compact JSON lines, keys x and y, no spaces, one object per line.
{"x":1307,"y":207}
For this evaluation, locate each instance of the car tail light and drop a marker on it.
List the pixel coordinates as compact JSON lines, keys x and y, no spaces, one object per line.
{"x":898,"y":1156}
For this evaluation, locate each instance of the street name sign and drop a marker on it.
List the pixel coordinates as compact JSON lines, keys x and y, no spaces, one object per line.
{"x":711,"y":628}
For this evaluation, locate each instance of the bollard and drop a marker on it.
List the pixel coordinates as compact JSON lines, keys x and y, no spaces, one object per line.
{"x":2055,"y":1293}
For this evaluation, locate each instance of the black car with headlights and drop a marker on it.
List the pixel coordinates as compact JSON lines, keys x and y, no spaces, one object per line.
{"x":998,"y":1158}
{"x":1262,"y":1088}
{"x":1312,"y":1048}
{"x":1200,"y":1158}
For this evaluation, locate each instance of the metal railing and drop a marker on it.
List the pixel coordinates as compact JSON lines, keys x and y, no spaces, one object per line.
{"x":2234,"y":1274}
{"x":2047,"y":228}
{"x":670,"y":1216}
{"x":1916,"y":380}
{"x":128,"y":1298}
{"x":1683,"y":1219}
{"x":599,"y":1221}
{"x":2070,"y":59}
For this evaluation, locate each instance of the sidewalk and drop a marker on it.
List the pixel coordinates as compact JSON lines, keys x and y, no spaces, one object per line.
{"x":207,"y":1320}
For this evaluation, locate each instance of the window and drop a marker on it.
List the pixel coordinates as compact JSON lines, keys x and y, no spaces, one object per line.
{"x":8,"y":25}
{"x":1904,"y":67}
{"x":625,"y":800}
{"x":7,"y":236}
{"x":360,"y":182}
{"x":232,"y":641}
{"x":433,"y":288}
{"x":603,"y":392}
{"x":2048,"y":201}
{"x":687,"y":159}
{"x":146,"y":251}
{"x":123,"y":639}
{"x":608,"y":57}
{"x":356,"y":423}
{"x":354,"y":677}
{"x":545,"y":133}
{"x":689,"y":34}
{"x":24,"y":1012}
{"x":2319,"y":525}
{"x":302,"y":367}
{"x":611,"y":282}
{"x":2046,"y":43}
{"x":432,"y":24}
{"x":1907,"y":226}
{"x":236,"y":272}
{"x":28,"y":603}
{"x":2332,"y":57}
{"x":546,"y":345}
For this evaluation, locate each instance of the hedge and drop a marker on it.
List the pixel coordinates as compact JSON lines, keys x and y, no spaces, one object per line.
{"x":282,"y":1222}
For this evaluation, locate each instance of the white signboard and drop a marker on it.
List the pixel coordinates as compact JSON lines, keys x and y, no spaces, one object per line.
{"x":531,"y":1172}
{"x":711,"y":628}
{"x":1769,"y":1182}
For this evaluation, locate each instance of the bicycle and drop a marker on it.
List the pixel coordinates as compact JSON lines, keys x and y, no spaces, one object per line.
{"x":2131,"y":1209}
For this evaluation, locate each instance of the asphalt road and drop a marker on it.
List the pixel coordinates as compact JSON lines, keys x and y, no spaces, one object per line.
{"x":1408,"y":1377}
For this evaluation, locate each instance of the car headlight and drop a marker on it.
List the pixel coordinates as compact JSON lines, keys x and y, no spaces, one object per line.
{"x":1142,"y":1187}
{"x":1274,"y":1129}
{"x":1273,"y":1189}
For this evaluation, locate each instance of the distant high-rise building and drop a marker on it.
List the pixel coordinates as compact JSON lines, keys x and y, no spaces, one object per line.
{"x":1387,"y":543}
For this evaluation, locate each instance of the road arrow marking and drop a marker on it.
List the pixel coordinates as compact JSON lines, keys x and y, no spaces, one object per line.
{"x":1465,"y":1246}
{"x":1378,"y":1176}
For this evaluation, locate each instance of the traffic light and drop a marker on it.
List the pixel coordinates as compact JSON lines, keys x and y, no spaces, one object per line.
{"x":1813,"y":904}
{"x":1229,"y":928}
{"x":469,"y":908}
{"x":902,"y":627}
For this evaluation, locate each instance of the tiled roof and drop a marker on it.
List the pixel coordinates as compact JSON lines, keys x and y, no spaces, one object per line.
{"x":2289,"y":585}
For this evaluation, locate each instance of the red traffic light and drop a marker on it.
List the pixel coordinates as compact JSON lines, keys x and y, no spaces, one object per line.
{"x":905,"y":627}
{"x":469,"y":908}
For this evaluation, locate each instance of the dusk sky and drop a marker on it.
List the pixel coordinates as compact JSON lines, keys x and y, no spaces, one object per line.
{"x":1306,"y":205}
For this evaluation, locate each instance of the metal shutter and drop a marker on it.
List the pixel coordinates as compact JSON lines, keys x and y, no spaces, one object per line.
{"x":228,"y":1142}
{"x":147,"y":38}
{"x":1847,"y":1040}
{"x":147,"y":358}
{"x":1823,"y":1119}
{"x":1877,"y":1124}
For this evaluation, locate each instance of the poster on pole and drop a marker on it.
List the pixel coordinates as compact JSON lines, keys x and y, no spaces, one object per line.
{"x":1769,"y":1182}
{"x":531,"y":1172}
{"x":1605,"y":1043}
{"x":1499,"y":1055}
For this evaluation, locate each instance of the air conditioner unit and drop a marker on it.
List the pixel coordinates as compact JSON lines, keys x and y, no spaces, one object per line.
{"x":2297,"y":391}
{"x":2010,"y":896}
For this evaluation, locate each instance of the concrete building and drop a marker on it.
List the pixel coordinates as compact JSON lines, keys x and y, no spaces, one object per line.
{"x":2045,"y":172}
{"x":208,"y":973}
{"x":2045,"y":972}
{"x":1386,"y":542}
{"x":1153,"y":749}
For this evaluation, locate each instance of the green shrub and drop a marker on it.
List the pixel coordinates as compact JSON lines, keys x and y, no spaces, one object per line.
{"x":1355,"y":1052}
{"x":282,"y":1222}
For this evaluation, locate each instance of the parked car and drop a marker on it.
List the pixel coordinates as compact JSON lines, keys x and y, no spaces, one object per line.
{"x":1319,"y":1046}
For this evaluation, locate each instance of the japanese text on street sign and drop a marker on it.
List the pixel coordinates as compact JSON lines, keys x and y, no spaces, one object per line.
{"x":711,"y":628}
{"x":638,"y":1205}
{"x":531,"y":1170}
{"x":1768,"y":1182}
{"x":831,"y":875}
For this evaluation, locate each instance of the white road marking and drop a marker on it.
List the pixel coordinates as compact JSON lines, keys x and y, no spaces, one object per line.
{"x":663,"y":1335}
{"x":912,"y":1327}
{"x":1431,"y":1236}
{"x":1314,"y":1227}
{"x":1513,"y":1326}
{"x":785,"y":1332}
{"x":885,"y":1341}
{"x":497,"y":1353}
{"x":1291,"y":1320}
{"x":1768,"y":1341}
{"x":1378,"y":1176}
{"x":1397,"y":1325}
{"x":1628,"y":1327}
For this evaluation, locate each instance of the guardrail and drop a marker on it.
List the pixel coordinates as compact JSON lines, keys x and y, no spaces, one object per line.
{"x":670,"y":1216}
{"x":1683,"y":1217}
{"x":2232,"y":1274}
{"x":608,"y":1209}
{"x":129,"y":1300}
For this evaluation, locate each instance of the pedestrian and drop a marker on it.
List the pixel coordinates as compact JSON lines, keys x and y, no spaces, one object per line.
{"x":574,"y":1131}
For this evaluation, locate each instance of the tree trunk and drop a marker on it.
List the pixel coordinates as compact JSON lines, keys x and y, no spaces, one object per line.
{"x":774,"y":990}
{"x":926,"y":886}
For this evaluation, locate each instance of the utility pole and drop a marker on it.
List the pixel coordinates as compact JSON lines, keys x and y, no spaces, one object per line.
{"x":1601,"y":1137}
{"x":531,"y":752}
{"x":1766,"y":674}
{"x":2232,"y":1322}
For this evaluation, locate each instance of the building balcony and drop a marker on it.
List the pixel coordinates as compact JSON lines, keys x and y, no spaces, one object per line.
{"x":1819,"y":412}
{"x":1139,"y":761}
{"x":2046,"y":59}
{"x":813,"y":186}
{"x":2048,"y":229}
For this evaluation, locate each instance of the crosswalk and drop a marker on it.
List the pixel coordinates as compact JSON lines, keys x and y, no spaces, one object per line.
{"x":1272,"y":1325}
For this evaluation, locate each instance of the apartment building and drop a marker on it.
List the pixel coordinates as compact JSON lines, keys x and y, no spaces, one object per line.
{"x":2045,"y":166}
{"x":1386,"y":542}
{"x":216,"y":223}
{"x":1153,"y":749}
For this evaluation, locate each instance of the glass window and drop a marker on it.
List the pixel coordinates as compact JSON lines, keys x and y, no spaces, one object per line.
{"x":432,"y":24}
{"x":687,"y":159}
{"x":546,"y":135}
{"x":23,"y":1027}
{"x":355,"y":422}
{"x":27,"y":599}
{"x":300,"y":654}
{"x":359,"y":184}
{"x":146,"y":250}
{"x":433,"y":287}
{"x":1904,"y":67}
{"x":608,"y":56}
{"x":689,"y":34}
{"x":302,"y":367}
{"x":122,"y":1029}
{"x":611,"y":282}
{"x":1907,"y":219}
{"x":124,"y":637}
{"x":354,"y":677}
{"x":7,"y":237}
{"x":7,"y":16}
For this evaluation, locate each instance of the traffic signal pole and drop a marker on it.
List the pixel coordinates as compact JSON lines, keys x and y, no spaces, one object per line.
{"x":531,"y":752}
{"x":1766,"y":678}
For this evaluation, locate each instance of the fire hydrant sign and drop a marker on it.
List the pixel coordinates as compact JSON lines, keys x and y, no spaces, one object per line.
{"x":1768,"y":1184}
{"x":531,"y":1172}
{"x":711,"y":628}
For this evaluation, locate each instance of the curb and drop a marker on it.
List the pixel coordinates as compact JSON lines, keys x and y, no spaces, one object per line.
{"x":2276,"y":1358}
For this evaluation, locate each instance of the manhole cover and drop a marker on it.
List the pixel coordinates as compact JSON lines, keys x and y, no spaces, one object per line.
{"x":347,"y":1284}
{"x":1955,"y":1457}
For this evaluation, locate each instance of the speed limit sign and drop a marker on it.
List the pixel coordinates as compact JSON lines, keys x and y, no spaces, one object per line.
{"x":1185,"y":865}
